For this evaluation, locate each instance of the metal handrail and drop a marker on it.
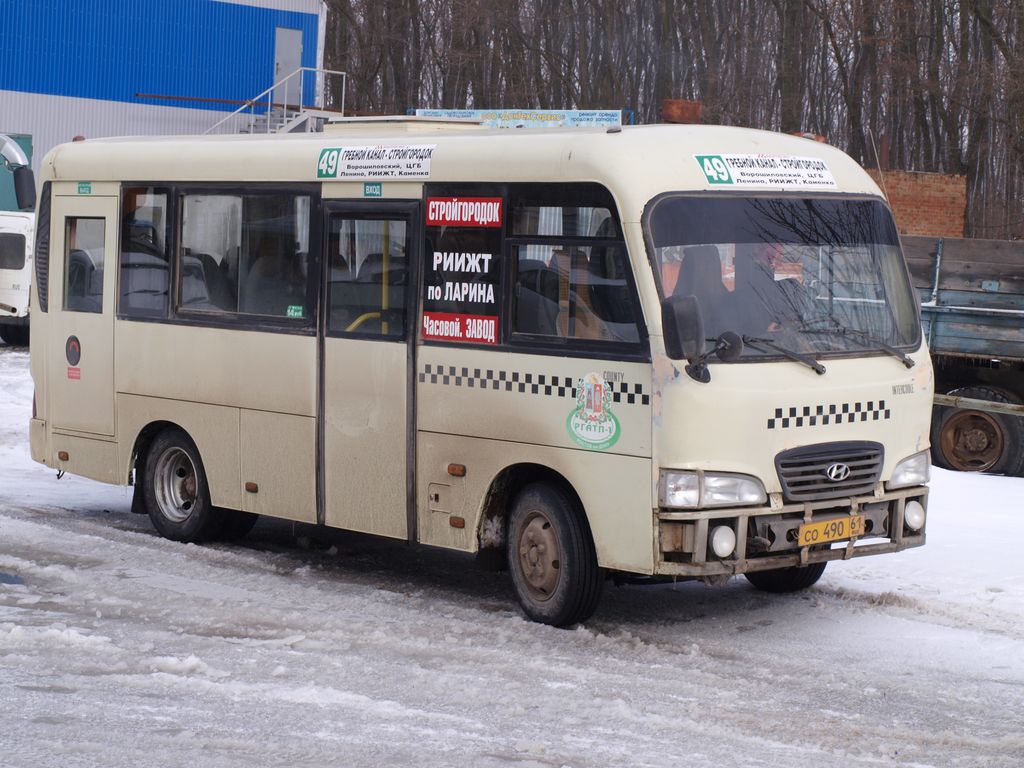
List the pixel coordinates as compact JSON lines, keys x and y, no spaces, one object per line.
{"x":258,"y":100}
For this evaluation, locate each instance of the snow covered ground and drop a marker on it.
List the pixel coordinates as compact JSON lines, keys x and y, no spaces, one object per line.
{"x":291,"y":648}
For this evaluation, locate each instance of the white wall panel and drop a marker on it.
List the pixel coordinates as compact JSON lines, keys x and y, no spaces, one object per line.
{"x":298,"y":6}
{"x":53,"y":120}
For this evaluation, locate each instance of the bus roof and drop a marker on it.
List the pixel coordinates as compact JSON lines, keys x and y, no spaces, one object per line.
{"x":636,"y":163}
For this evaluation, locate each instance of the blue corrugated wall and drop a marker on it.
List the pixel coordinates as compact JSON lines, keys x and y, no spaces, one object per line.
{"x":114,"y":49}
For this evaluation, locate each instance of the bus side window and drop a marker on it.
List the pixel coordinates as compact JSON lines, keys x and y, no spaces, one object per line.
{"x":571,"y":270}
{"x":83,"y":264}
{"x":245,"y":254}
{"x":573,"y":292}
{"x":145,"y":266}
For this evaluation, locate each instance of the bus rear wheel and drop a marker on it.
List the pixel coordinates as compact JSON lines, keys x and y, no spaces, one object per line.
{"x":552,"y":558}
{"x":175,"y":491}
{"x":781,"y":580}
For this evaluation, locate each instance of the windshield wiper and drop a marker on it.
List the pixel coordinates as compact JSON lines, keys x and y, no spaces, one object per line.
{"x":866,"y":338}
{"x":810,"y":362}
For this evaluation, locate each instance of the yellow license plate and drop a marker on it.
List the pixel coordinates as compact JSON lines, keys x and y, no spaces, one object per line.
{"x":836,"y":529}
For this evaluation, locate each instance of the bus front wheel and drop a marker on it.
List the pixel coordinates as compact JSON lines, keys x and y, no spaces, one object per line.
{"x":551,"y":557}
{"x":176,"y":494}
{"x":781,"y":580}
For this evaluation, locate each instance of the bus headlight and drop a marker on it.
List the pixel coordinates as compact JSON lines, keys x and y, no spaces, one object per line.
{"x":913,"y":470}
{"x":688,"y":489}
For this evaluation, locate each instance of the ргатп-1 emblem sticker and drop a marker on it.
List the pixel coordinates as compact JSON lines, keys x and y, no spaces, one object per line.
{"x":593,"y":425}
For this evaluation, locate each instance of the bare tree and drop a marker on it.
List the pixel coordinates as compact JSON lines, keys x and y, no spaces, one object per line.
{"x":931,"y":85}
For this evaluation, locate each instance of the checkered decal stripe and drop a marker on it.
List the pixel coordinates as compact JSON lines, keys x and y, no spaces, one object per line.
{"x":823,"y":415}
{"x":535,"y":384}
{"x":628,"y":393}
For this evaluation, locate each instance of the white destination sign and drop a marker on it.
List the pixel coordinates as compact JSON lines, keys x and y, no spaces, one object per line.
{"x":406,"y":161}
{"x":766,"y":171}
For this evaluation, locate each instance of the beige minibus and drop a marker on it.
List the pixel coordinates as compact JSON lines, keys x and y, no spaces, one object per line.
{"x":665,"y":352}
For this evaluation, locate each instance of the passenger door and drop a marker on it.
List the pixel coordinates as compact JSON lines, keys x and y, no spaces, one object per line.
{"x":368,"y":268}
{"x":82,"y":295}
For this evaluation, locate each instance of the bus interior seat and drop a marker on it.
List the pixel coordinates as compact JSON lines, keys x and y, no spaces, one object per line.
{"x":589,"y":323}
{"x":700,"y":275}
{"x":194,"y":291}
{"x":85,"y":283}
{"x":342,"y":293}
{"x":217,"y":284}
{"x":537,"y":298}
{"x":144,"y":280}
{"x":609,"y":293}
{"x":259,"y":293}
{"x":271,"y":285}
{"x":372,"y":269}
{"x":374,"y":278}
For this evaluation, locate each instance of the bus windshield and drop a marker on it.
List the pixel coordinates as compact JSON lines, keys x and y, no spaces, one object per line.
{"x":813,"y":275}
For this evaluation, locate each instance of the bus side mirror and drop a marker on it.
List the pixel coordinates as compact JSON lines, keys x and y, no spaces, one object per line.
{"x":683,"y":326}
{"x":25,"y":188}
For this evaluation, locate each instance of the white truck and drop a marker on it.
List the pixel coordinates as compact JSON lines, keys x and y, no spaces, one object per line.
{"x":16,"y":230}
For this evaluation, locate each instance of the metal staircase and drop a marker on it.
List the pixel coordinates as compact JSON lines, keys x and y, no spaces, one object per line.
{"x":282,"y":107}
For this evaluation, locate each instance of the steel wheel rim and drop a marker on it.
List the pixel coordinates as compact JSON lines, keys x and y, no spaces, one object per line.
{"x":540,"y":557}
{"x":175,"y":484}
{"x":972,"y":441}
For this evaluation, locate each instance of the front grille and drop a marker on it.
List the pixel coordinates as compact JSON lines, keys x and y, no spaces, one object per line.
{"x":804,"y":472}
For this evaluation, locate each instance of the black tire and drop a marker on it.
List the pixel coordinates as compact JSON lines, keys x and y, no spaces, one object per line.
{"x":14,"y":335}
{"x":236,"y":524}
{"x":978,"y":441}
{"x":552,"y":558}
{"x":175,"y":491}
{"x":783,"y":580}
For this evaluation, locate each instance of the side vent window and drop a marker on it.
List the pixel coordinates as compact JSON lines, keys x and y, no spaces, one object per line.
{"x":42,"y":252}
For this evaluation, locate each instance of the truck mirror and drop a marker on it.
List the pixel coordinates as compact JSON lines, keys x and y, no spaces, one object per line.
{"x":683,"y":327}
{"x":25,"y":188}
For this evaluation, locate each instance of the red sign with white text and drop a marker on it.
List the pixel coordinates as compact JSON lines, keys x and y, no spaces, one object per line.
{"x":449,"y":326}
{"x":464,"y":211}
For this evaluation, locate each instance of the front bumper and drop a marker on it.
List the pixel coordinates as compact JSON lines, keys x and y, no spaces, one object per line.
{"x":766,"y":536}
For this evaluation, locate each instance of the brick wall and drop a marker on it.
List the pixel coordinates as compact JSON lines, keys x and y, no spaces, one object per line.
{"x":931,"y":204}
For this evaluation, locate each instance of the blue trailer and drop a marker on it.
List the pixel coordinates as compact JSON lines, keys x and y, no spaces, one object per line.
{"x":972,"y":312}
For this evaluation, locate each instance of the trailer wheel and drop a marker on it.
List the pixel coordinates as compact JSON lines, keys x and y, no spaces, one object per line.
{"x":551,"y":557}
{"x":791,"y":579}
{"x":978,"y":441}
{"x":175,"y":491}
{"x":15,"y":335}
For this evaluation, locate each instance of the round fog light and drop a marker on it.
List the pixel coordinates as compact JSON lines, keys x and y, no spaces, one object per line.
{"x":723,"y":540}
{"x":913,"y":515}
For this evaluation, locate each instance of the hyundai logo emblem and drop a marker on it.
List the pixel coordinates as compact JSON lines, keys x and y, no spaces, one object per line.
{"x":837,"y":472}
